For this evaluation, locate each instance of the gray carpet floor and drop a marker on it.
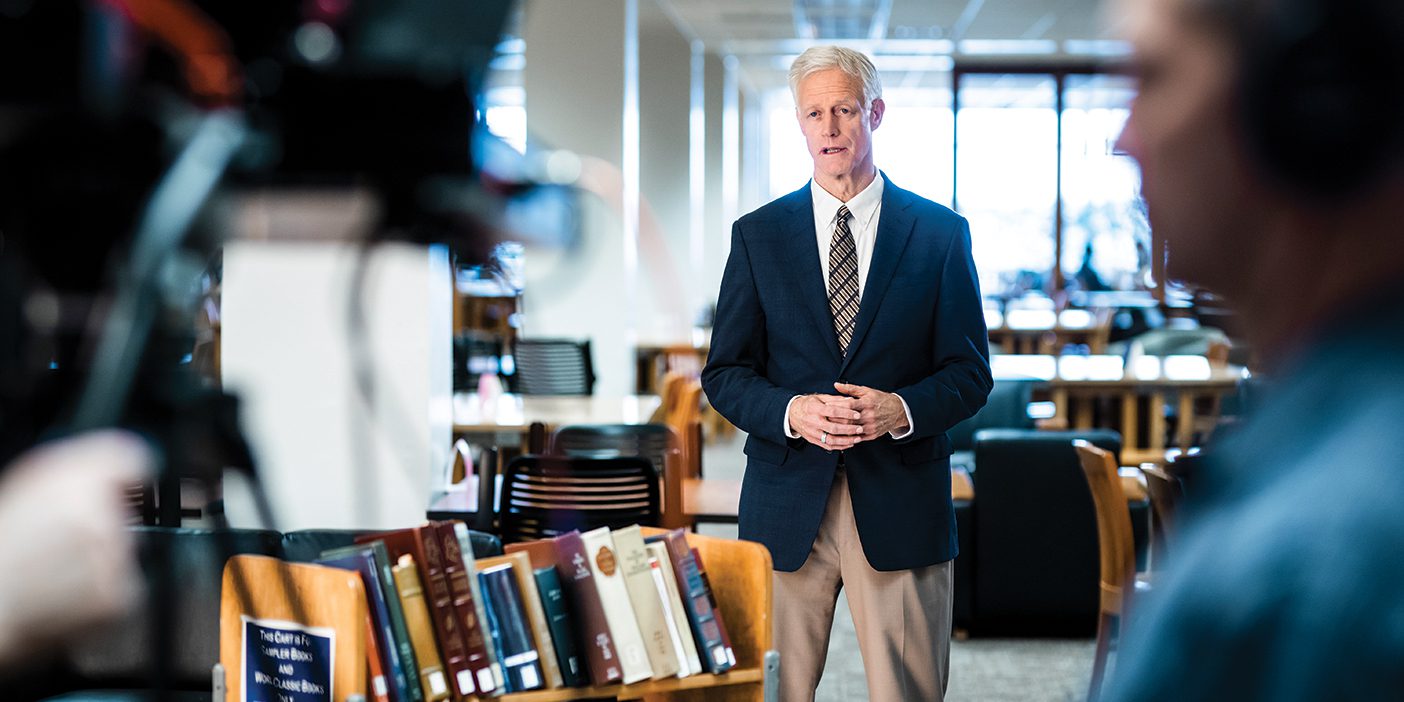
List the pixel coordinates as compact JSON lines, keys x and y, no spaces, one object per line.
{"x":983,"y":670}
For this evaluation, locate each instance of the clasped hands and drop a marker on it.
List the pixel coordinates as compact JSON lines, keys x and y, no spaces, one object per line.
{"x":856,"y":414}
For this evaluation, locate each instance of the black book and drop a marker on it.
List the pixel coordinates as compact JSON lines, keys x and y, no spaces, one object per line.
{"x":521,"y":665}
{"x":548,"y":583}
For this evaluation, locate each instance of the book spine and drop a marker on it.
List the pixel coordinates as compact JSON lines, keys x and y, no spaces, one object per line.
{"x":548,"y":586}
{"x":419,"y":624}
{"x":536,"y":617}
{"x":481,"y":659}
{"x":669,"y":622}
{"x":658,"y":557}
{"x":647,"y":605}
{"x":521,"y":665}
{"x":716,"y":611}
{"x":440,"y":598}
{"x":619,"y":612}
{"x":578,"y":581}
{"x":375,"y":667}
{"x":696,"y":603}
{"x":465,"y":551}
{"x":362,"y":560}
{"x":397,"y":622}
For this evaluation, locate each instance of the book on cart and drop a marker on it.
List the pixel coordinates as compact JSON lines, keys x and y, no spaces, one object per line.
{"x":647,"y":603}
{"x":662,"y":569}
{"x":433,"y":678}
{"x":399,"y":632}
{"x":697,"y":602}
{"x":465,"y":551}
{"x":421,"y":544}
{"x":510,"y":630}
{"x":537,"y":621}
{"x":387,"y":682}
{"x":603,"y":560}
{"x":591,"y":627}
{"x":292,"y":628}
{"x":559,"y":619}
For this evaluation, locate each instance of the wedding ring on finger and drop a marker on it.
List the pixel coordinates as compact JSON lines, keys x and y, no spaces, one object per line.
{"x":824,"y":437}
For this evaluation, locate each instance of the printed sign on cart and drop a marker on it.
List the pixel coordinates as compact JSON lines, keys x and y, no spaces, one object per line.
{"x":286,"y":661}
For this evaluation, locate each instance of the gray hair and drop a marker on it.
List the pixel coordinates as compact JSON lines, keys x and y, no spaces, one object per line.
{"x":823,"y":58}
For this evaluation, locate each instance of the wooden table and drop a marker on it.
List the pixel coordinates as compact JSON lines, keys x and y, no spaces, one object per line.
{"x":1076,"y":383}
{"x":1046,"y":331}
{"x":508,"y":417}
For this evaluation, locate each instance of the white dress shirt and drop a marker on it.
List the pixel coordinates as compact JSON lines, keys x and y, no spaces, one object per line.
{"x":865,"y":207}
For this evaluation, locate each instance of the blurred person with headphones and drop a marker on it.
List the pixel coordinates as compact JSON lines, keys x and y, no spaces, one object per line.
{"x":1270,"y":135}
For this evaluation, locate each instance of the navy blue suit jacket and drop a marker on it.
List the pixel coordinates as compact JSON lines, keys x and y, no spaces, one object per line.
{"x":920,"y":332}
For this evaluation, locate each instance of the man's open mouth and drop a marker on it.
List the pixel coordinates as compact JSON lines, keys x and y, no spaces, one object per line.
{"x":831,"y":150}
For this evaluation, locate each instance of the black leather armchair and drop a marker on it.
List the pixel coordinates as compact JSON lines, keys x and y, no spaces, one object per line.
{"x":1034,"y":543}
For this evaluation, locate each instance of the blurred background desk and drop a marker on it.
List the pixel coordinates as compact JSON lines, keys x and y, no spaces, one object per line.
{"x":1047,"y":331}
{"x":655,"y":359}
{"x":504,"y":420}
{"x":1108,"y":392}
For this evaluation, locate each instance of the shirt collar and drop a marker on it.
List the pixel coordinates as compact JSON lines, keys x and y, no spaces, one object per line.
{"x":863,"y":205}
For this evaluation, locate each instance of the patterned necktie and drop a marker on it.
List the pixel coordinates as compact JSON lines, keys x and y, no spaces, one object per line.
{"x":843,"y":280}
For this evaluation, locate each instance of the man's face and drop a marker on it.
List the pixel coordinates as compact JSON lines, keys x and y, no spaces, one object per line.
{"x":838,"y":131}
{"x":1195,"y":177}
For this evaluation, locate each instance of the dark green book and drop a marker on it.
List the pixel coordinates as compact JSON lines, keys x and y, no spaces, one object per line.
{"x":548,"y":583}
{"x":408,"y":677}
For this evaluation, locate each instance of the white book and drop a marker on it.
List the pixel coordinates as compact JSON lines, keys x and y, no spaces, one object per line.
{"x":648,"y":605}
{"x":614,"y":599}
{"x":663,"y":569}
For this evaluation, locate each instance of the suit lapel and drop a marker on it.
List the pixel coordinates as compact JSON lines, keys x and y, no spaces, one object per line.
{"x":894,"y":228}
{"x":801,"y":251}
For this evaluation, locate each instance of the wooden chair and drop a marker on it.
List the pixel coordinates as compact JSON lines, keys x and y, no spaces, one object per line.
{"x":670,"y":391}
{"x":703,"y":499}
{"x":544,"y":496}
{"x":1165,"y":494}
{"x":1118,"y":556}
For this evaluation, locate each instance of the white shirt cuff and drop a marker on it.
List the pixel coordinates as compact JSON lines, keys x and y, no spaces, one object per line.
{"x":786,"y":419}
{"x":907,"y":412}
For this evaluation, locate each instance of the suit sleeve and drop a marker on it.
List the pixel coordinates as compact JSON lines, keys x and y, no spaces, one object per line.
{"x":735,"y":376}
{"x":960,"y":347}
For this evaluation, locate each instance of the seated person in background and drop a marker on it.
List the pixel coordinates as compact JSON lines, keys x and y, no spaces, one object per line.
{"x":1270,"y":134}
{"x":67,"y":560}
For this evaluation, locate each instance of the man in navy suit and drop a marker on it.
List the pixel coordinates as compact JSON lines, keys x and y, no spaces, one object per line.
{"x":849,"y":337}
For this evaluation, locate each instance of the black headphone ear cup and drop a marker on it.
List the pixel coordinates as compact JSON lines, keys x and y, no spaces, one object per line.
{"x":1322,"y":94}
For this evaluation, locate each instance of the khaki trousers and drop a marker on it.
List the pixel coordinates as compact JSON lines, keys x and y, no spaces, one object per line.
{"x":903,"y":618}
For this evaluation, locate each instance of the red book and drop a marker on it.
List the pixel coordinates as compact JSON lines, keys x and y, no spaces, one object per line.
{"x":481,"y":659}
{"x":572,"y":564}
{"x":375,"y":679}
{"x":420,"y":544}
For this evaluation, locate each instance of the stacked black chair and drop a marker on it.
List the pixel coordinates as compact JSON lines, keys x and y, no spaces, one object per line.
{"x":651,"y":441}
{"x":543,"y":496}
{"x":551,"y":367}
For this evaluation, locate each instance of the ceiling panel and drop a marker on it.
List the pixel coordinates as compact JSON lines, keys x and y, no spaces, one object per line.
{"x":764,"y":33}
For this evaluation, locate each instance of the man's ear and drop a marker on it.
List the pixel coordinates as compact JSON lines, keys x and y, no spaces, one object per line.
{"x":875,"y":114}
